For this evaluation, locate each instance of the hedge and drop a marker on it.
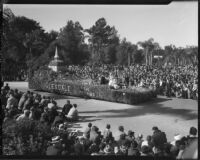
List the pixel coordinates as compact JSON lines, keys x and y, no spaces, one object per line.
{"x":101,"y":92}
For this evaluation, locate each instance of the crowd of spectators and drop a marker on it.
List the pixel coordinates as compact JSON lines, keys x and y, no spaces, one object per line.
{"x":18,"y":106}
{"x":14,"y":75}
{"x":177,"y":81}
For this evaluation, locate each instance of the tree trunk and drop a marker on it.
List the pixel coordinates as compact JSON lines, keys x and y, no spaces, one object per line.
{"x":175,"y":61}
{"x":129,"y":59}
{"x":195,"y":59}
{"x":151,"y":58}
{"x":146,"y":50}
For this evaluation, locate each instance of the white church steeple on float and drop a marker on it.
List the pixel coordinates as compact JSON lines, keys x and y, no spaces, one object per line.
{"x":56,"y":64}
{"x":56,"y":54}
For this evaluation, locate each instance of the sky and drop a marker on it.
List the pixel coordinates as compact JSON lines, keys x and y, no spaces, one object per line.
{"x":176,"y":23}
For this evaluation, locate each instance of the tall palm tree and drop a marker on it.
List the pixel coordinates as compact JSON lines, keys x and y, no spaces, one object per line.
{"x":149,"y":47}
{"x":191,"y":54}
{"x":170,"y":54}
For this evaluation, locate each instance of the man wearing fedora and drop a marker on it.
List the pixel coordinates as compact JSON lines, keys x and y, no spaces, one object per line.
{"x":55,"y":148}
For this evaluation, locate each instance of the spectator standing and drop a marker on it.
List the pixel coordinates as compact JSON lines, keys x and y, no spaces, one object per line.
{"x":120,"y":132}
{"x":107,"y":132}
{"x":67,"y":107}
{"x":88,"y":130}
{"x":158,"y":138}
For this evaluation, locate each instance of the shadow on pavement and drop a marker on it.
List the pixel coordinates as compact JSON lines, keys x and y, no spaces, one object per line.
{"x":152,"y":107}
{"x":88,"y":119}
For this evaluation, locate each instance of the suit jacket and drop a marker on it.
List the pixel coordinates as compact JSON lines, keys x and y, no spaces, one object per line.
{"x":158,"y":139}
{"x":66,"y":108}
{"x":107,"y":133}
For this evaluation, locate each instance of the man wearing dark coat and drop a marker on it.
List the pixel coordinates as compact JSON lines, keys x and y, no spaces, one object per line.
{"x":67,"y":107}
{"x":158,"y":138}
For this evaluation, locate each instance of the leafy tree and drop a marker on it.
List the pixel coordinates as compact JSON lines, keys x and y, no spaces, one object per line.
{"x":71,"y":43}
{"x":101,"y":35}
{"x":138,"y":57}
{"x":24,"y":40}
{"x":170,"y":54}
{"x":25,"y":137}
{"x":125,"y":52}
{"x":192,"y":54}
{"x":159,"y":61}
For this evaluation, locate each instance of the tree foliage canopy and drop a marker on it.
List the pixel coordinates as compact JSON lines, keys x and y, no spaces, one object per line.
{"x":26,"y":44}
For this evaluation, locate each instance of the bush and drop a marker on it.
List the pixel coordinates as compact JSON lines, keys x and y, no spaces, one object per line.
{"x":25,"y":137}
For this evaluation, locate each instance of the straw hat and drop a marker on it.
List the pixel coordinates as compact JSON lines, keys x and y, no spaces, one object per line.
{"x":55,"y":139}
{"x":178,"y":137}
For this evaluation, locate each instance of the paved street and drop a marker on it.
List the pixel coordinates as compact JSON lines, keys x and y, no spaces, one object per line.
{"x":170,"y":115}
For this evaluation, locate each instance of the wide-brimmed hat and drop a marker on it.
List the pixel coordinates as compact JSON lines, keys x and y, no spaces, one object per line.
{"x":178,"y":137}
{"x":55,"y":139}
{"x":130,"y":132}
{"x":140,"y":135}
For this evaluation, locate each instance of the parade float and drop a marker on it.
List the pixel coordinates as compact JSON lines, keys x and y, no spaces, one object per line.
{"x":51,"y":79}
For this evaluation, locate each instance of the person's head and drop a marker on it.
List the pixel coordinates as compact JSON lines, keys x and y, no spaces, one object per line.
{"x":6,"y":84}
{"x":108,"y":126}
{"x":140,"y":136}
{"x":89,"y":125}
{"x":121,"y":128}
{"x":155,"y":128}
{"x":193,"y":131}
{"x":11,"y":94}
{"x":148,"y":138}
{"x":68,"y":101}
{"x":75,"y":105}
